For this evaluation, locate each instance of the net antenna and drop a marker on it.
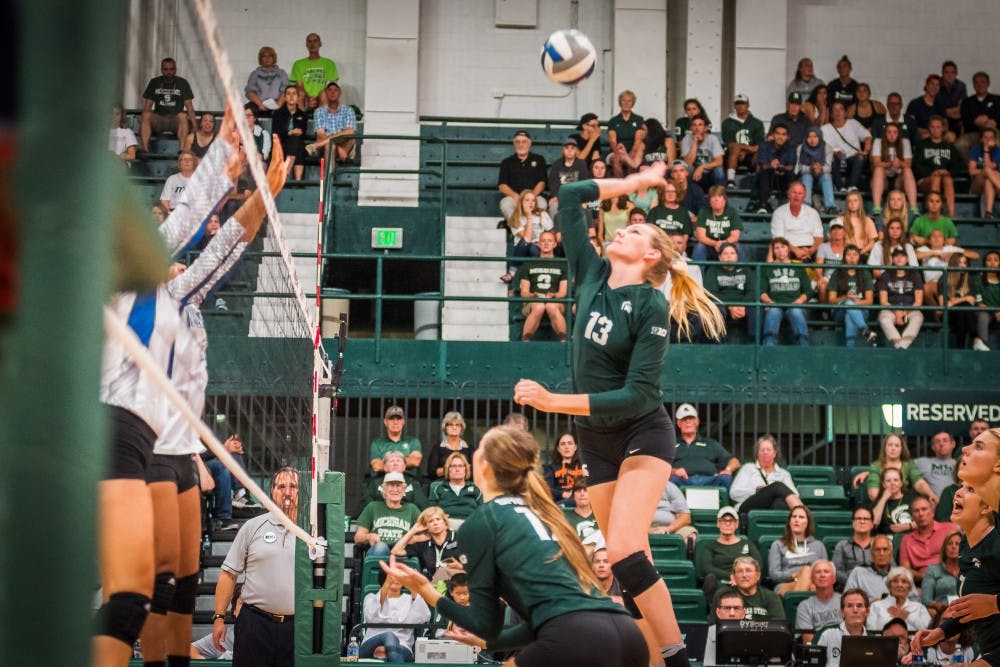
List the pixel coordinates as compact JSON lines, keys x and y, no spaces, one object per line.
{"x":279,"y":317}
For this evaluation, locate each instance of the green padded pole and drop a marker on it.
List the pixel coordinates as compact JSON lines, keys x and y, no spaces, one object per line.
{"x":52,"y":441}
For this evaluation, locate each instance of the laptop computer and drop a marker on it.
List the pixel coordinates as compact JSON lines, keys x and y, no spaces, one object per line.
{"x":868,"y":651}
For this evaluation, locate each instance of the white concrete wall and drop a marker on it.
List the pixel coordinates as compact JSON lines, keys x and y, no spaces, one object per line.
{"x":760,"y":56}
{"x":704,"y":57}
{"x":640,"y":57}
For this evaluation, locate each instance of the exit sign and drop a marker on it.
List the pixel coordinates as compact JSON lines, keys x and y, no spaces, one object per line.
{"x":387,"y":238}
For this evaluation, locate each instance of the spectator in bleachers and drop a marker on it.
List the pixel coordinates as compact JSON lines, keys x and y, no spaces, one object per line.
{"x":311,"y":74}
{"x":900,"y":287}
{"x":673,"y":515}
{"x":843,"y":89}
{"x":899,"y":604}
{"x":761,"y":603}
{"x":852,"y":286}
{"x":703,"y":152}
{"x":431,"y":541}
{"x":790,"y":560}
{"x":742,"y":135}
{"x":941,"y":580}
{"x":595,"y":241}
{"x":121,"y":138}
{"x":692,"y":108}
{"x":563,"y":469}
{"x":730,"y":282}
{"x":871,"y":577}
{"x":831,"y":253}
{"x":729,"y":608}
{"x":854,"y":551}
{"x":626,"y":136}
{"x":823,"y":608}
{"x":958,"y":294}
{"x":689,"y":193}
{"x":859,"y":229}
{"x":894,"y":238}
{"x":894,"y":114}
{"x":544,"y":280}
{"x":266,"y":84}
{"x":588,"y":141}
{"x":289,"y":123}
{"x":921,"y":109}
{"x":198,"y":141}
{"x":669,"y":215}
{"x":945,"y":504}
{"x":612,"y":216}
{"x":335,"y":126}
{"x":718,"y":223}
{"x":526,"y":224}
{"x":223,"y":485}
{"x":521,"y":171}
{"x":716,"y":559}
{"x":938,"y":253}
{"x":813,"y":165}
{"x":763,"y":484}
{"x":580,"y":516}
{"x":805,"y":81}
{"x":936,"y":162}
{"x":394,"y":422}
{"x":951,"y":95}
{"x":389,"y":604}
{"x":798,"y":224}
{"x":947,"y":650}
{"x":854,"y":608}
{"x":160,"y":213}
{"x":775,"y":163}
{"x":979,"y":111}
{"x":455,"y":494}
{"x":569,"y":169}
{"x":395,"y":461}
{"x":452,"y":430}
{"x":261,"y":137}
{"x":851,"y":144}
{"x":893,"y":454}
{"x":793,"y":118}
{"x":939,"y":470}
{"x":891,"y":511}
{"x":168,"y":105}
{"x":598,"y":170}
{"x":984,"y":170}
{"x":895,"y":207}
{"x":699,"y":461}
{"x":987,"y":287}
{"x":383,"y":522}
{"x":867,"y":111}
{"x":892,"y":159}
{"x":175,"y":184}
{"x":896,"y":627}
{"x":921,"y":547}
{"x":659,"y":145}
{"x":783,"y":288}
{"x":816,"y":106}
{"x":694,"y":329}
{"x":602,"y":568}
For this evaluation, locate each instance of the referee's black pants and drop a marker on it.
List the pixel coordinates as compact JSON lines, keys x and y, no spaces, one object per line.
{"x":260,"y":642}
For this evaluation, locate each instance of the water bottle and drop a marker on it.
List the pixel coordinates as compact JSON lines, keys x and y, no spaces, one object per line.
{"x":206,"y":546}
{"x":137,"y":649}
{"x":353,"y":649}
{"x":958,"y":657}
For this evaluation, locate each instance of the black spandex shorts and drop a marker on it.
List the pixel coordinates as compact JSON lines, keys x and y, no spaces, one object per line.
{"x":586,"y":639}
{"x":992,"y":658}
{"x":179,"y":469}
{"x":131,"y":445}
{"x":603,"y":453}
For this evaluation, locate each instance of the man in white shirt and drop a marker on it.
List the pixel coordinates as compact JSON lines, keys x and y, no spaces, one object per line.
{"x":851,"y":143}
{"x":854,"y":611}
{"x":939,"y":469}
{"x":799,"y":223}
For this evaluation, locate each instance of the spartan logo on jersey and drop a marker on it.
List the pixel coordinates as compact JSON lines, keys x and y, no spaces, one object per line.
{"x":627,"y":306}
{"x":977,"y":563}
{"x":586,"y":470}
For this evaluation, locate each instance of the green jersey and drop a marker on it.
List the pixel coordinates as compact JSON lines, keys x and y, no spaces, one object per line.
{"x":718,"y":227}
{"x":620,"y":335}
{"x":987,"y":292}
{"x":509,"y":553}
{"x":414,"y":490}
{"x":730,"y":282}
{"x":923,"y":226}
{"x":390,"y":524}
{"x":749,"y":132}
{"x":671,"y":220}
{"x":844,"y":283}
{"x":457,"y":504}
{"x":625,"y":130}
{"x":543,"y":275}
{"x":381,"y":446}
{"x":785,"y":284}
{"x":584,"y":526}
{"x":980,"y":573}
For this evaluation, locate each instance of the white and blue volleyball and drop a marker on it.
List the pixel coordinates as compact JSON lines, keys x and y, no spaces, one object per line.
{"x":568,"y":57}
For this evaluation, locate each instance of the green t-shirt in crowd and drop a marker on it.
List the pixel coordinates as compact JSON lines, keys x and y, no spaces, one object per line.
{"x":390,"y":524}
{"x":785,"y":284}
{"x":671,"y":220}
{"x":718,"y":227}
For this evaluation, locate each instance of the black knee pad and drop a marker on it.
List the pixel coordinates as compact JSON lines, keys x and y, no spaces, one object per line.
{"x":123,"y":616}
{"x":629,"y":603}
{"x":635,"y":573}
{"x":163,"y":592}
{"x":184,"y":595}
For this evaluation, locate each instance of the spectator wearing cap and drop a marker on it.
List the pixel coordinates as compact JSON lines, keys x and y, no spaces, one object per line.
{"x":395,"y":422}
{"x":626,"y":136}
{"x":775,"y":164}
{"x":689,"y":193}
{"x":588,"y":140}
{"x":521,"y":171}
{"x":699,"y":461}
{"x":394,"y":461}
{"x":900,"y":286}
{"x":742,"y":135}
{"x":714,"y":561}
{"x":335,"y":124}
{"x":830,"y":252}
{"x":383,"y":522}
{"x":794,"y":119}
{"x":569,"y":169}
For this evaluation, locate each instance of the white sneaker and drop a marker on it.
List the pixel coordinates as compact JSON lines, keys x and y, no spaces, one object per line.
{"x":980,"y":346}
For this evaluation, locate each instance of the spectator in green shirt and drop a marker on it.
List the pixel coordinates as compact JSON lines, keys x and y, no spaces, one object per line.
{"x":395,"y":422}
{"x":922,"y":227}
{"x":783,"y":288}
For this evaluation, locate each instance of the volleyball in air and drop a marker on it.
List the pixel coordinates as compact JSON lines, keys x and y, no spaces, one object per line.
{"x":568,"y":57}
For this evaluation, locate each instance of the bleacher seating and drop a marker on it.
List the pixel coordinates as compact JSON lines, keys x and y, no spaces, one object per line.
{"x":667,"y":547}
{"x":823,"y":496}
{"x":812,"y":474}
{"x":677,"y":573}
{"x":791,"y":602}
{"x":689,"y":604}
